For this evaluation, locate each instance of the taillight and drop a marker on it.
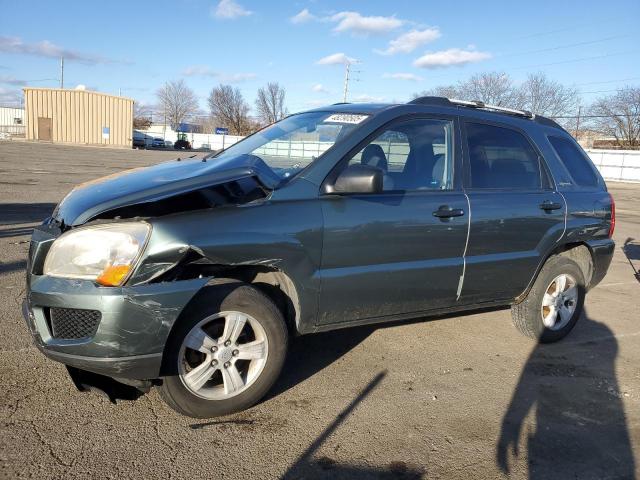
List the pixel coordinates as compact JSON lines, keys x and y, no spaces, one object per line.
{"x":613,"y":216}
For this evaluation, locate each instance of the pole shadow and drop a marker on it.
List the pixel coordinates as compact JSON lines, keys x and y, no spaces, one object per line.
{"x":19,"y":213}
{"x":631,"y":249}
{"x":580,"y":429}
{"x":309,"y":467}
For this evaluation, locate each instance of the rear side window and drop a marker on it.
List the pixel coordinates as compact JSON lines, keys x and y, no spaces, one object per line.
{"x":501,"y":158}
{"x":574,"y":160}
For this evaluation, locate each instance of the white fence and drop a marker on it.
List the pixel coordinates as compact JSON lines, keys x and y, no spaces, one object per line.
{"x":198,"y":140}
{"x":12,"y":120}
{"x":617,"y":165}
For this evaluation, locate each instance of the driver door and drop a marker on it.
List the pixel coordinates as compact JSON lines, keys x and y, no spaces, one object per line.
{"x":389,"y":254}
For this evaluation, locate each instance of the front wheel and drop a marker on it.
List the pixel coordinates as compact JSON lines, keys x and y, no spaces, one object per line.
{"x":554,"y":303}
{"x":226,"y":354}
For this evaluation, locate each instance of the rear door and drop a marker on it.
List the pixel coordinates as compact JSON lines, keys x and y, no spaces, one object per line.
{"x":389,"y":253}
{"x":516,"y":214}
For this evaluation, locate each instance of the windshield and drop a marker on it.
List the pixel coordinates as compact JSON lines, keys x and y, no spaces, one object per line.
{"x":291,"y":144}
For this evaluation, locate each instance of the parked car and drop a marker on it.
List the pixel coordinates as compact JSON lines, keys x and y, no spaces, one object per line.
{"x":139,"y":140}
{"x":158,"y":142}
{"x":192,"y":275}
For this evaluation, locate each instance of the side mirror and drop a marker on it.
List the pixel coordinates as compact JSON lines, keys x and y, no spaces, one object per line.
{"x":359,"y":179}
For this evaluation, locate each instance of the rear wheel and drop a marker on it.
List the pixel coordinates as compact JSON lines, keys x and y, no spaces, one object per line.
{"x":226,"y":354}
{"x":554,"y":303}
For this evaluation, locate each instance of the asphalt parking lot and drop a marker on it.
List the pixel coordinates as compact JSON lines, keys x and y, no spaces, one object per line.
{"x":458,"y":397}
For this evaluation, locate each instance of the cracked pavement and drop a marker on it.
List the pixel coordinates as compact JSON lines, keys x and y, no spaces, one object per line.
{"x":439,"y":398}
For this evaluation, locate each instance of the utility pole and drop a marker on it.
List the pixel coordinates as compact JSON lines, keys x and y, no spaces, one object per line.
{"x":578,"y":122}
{"x":347,"y":66}
{"x":61,"y":72}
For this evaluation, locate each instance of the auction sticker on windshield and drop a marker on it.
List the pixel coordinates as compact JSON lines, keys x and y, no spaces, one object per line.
{"x":345,"y":118}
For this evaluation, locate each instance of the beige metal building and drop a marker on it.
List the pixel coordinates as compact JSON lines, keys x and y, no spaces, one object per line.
{"x":78,"y":116}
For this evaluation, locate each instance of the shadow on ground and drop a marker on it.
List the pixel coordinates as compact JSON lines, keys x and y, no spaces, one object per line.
{"x":580,"y":426}
{"x":9,"y":267}
{"x":308,"y":467}
{"x":19,"y":213}
{"x":631,"y":249}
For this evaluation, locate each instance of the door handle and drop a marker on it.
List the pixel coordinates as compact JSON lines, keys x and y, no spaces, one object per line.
{"x":548,"y":205}
{"x":445,"y":211}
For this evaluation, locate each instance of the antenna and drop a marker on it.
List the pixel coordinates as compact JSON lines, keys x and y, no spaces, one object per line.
{"x":347,"y":66}
{"x":61,"y":72}
{"x":347,"y":77}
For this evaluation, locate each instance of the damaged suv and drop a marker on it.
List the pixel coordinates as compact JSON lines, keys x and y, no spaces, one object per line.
{"x":191,"y":275}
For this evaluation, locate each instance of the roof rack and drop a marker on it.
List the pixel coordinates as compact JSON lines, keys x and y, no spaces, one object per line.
{"x":443,"y":101}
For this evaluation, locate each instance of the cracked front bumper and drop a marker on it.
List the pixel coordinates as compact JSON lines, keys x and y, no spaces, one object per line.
{"x":133,"y":329}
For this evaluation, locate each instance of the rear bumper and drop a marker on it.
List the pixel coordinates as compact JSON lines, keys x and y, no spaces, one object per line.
{"x":602,"y":254}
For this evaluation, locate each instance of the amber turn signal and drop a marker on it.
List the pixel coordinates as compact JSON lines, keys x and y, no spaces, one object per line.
{"x":113,"y":275}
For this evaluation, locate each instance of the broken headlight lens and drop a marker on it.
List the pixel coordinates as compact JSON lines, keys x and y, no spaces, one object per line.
{"x":103,"y":253}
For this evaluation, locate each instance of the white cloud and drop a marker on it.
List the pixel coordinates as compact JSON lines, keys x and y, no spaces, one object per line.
{"x":364,"y":98}
{"x":403,"y":76}
{"x":9,"y":80}
{"x":319,"y":88}
{"x":199,"y":71}
{"x":10,"y":96}
{"x":316,"y":103}
{"x":449,"y":58}
{"x":50,"y":50}
{"x":206,"y":71}
{"x":303,"y":16}
{"x":229,"y":9}
{"x":236,"y":77}
{"x":408,"y":42}
{"x":358,"y":24}
{"x":335,"y":59}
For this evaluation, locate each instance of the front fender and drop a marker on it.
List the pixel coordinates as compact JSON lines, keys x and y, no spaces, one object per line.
{"x":285,"y":236}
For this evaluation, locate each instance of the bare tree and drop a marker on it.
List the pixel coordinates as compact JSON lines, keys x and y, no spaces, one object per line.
{"x":448,"y":91}
{"x":491,"y":87}
{"x":177,"y":101}
{"x":270,"y":103}
{"x":495,"y":88}
{"x":229,"y":109}
{"x":618,"y":116}
{"x":543,"y":96}
{"x":141,"y":116}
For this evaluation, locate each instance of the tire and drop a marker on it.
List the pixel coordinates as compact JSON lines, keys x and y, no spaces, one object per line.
{"x":214,"y":309}
{"x":528,"y":315}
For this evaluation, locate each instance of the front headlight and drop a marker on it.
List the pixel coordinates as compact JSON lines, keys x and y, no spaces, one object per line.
{"x":104,"y":253}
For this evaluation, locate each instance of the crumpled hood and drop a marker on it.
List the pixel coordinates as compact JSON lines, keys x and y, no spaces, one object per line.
{"x":148,"y":184}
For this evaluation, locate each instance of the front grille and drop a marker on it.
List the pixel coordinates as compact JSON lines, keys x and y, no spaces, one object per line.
{"x":73,"y":322}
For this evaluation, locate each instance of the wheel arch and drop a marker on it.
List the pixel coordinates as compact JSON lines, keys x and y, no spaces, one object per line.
{"x":579,"y":252}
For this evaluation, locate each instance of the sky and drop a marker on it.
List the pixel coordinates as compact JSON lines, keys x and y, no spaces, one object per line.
{"x":394,"y":49}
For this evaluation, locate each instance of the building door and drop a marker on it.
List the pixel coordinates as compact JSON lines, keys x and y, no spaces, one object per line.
{"x":44,"y":129}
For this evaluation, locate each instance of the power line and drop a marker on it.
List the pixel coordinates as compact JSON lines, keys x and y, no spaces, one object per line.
{"x":602,"y":91}
{"x":575,"y":60}
{"x":559,"y":47}
{"x":607,"y":81}
{"x":634,"y":115}
{"x":568,"y":29}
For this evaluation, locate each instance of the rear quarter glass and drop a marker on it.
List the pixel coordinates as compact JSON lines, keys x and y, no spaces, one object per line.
{"x":578,"y":166}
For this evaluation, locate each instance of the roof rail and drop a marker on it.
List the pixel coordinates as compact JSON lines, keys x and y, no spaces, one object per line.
{"x":443,"y":101}
{"x":437,"y":101}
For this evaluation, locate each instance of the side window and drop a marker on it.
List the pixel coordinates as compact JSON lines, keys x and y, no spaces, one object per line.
{"x":501,"y":158}
{"x":575,"y":162}
{"x":413,"y":155}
